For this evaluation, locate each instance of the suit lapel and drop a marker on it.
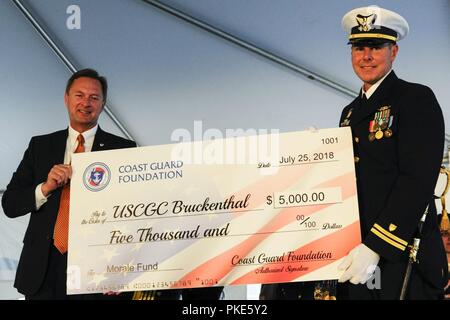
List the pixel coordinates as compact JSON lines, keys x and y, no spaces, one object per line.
{"x":100,"y":140}
{"x":58,"y":147}
{"x":56,"y":151}
{"x":376,"y":100}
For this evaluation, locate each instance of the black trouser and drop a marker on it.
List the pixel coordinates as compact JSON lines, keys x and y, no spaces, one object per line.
{"x":288,"y":291}
{"x":392,"y":275}
{"x":210,"y":293}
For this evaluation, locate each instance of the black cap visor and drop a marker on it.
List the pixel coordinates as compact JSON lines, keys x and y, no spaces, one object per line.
{"x":369,"y":42}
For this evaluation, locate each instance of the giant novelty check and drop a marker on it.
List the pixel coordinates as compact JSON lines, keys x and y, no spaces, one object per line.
{"x":255,"y":209}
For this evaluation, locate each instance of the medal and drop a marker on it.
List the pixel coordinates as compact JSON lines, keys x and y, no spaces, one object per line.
{"x":381,"y":124}
{"x":379,"y":134}
{"x":388,"y":133}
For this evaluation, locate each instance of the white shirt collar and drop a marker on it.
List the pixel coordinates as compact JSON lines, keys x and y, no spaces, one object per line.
{"x":87,"y":135}
{"x":374,"y":87}
{"x":71,"y":144}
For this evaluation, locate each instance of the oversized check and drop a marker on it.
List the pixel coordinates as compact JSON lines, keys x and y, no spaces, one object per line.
{"x":256,"y":209}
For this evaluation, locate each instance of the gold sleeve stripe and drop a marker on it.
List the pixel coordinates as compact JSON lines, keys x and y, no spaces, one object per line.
{"x":137,"y":295}
{"x":390,"y":235}
{"x":383,"y":237}
{"x":144,"y":295}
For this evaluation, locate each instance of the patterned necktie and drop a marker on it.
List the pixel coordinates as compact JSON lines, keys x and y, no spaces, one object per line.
{"x":61,"y":231}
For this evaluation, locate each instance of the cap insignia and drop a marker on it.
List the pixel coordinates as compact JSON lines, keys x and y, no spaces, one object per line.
{"x":365,"y":23}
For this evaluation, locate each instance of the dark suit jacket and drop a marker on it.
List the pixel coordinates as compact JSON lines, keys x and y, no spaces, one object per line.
{"x":19,"y":199}
{"x":396,"y":175}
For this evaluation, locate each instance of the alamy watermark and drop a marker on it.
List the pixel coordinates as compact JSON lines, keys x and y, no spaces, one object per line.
{"x":234,"y":146}
{"x":73,"y":21}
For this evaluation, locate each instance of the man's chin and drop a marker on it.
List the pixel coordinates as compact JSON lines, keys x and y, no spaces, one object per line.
{"x":369,"y":80}
{"x":85,"y":121}
{"x":87,"y":124}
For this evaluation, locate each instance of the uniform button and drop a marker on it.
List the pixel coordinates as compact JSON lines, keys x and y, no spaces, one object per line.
{"x":356,"y":159}
{"x":356,"y":139}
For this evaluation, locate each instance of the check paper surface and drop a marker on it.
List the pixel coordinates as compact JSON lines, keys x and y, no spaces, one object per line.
{"x":157,"y":218}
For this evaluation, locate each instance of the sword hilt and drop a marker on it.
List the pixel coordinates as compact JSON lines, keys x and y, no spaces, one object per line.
{"x":413,"y":249}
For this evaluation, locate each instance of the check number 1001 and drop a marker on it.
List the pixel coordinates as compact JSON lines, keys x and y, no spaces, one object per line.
{"x":300,"y":198}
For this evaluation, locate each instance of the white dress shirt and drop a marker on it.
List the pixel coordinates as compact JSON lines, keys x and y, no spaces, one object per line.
{"x":374,"y":87}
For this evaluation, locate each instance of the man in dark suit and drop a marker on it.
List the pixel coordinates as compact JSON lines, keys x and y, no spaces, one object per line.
{"x":398,"y":133}
{"x":37,"y":185}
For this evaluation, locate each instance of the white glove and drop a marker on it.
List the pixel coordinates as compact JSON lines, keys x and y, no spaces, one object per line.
{"x":359,"y":264}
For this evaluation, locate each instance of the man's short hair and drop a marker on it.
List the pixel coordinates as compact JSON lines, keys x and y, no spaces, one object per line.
{"x":89,"y":73}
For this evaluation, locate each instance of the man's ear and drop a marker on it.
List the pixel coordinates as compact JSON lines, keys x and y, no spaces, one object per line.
{"x":66,"y":99}
{"x":394,"y":52}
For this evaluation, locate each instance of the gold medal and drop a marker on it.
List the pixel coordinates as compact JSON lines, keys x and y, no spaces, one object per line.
{"x":379,"y":134}
{"x":371,"y":136}
{"x":383,"y":125}
{"x":388,"y":133}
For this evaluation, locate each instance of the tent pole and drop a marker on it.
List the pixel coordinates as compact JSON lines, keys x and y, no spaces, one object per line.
{"x":253,"y":48}
{"x":66,"y":61}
